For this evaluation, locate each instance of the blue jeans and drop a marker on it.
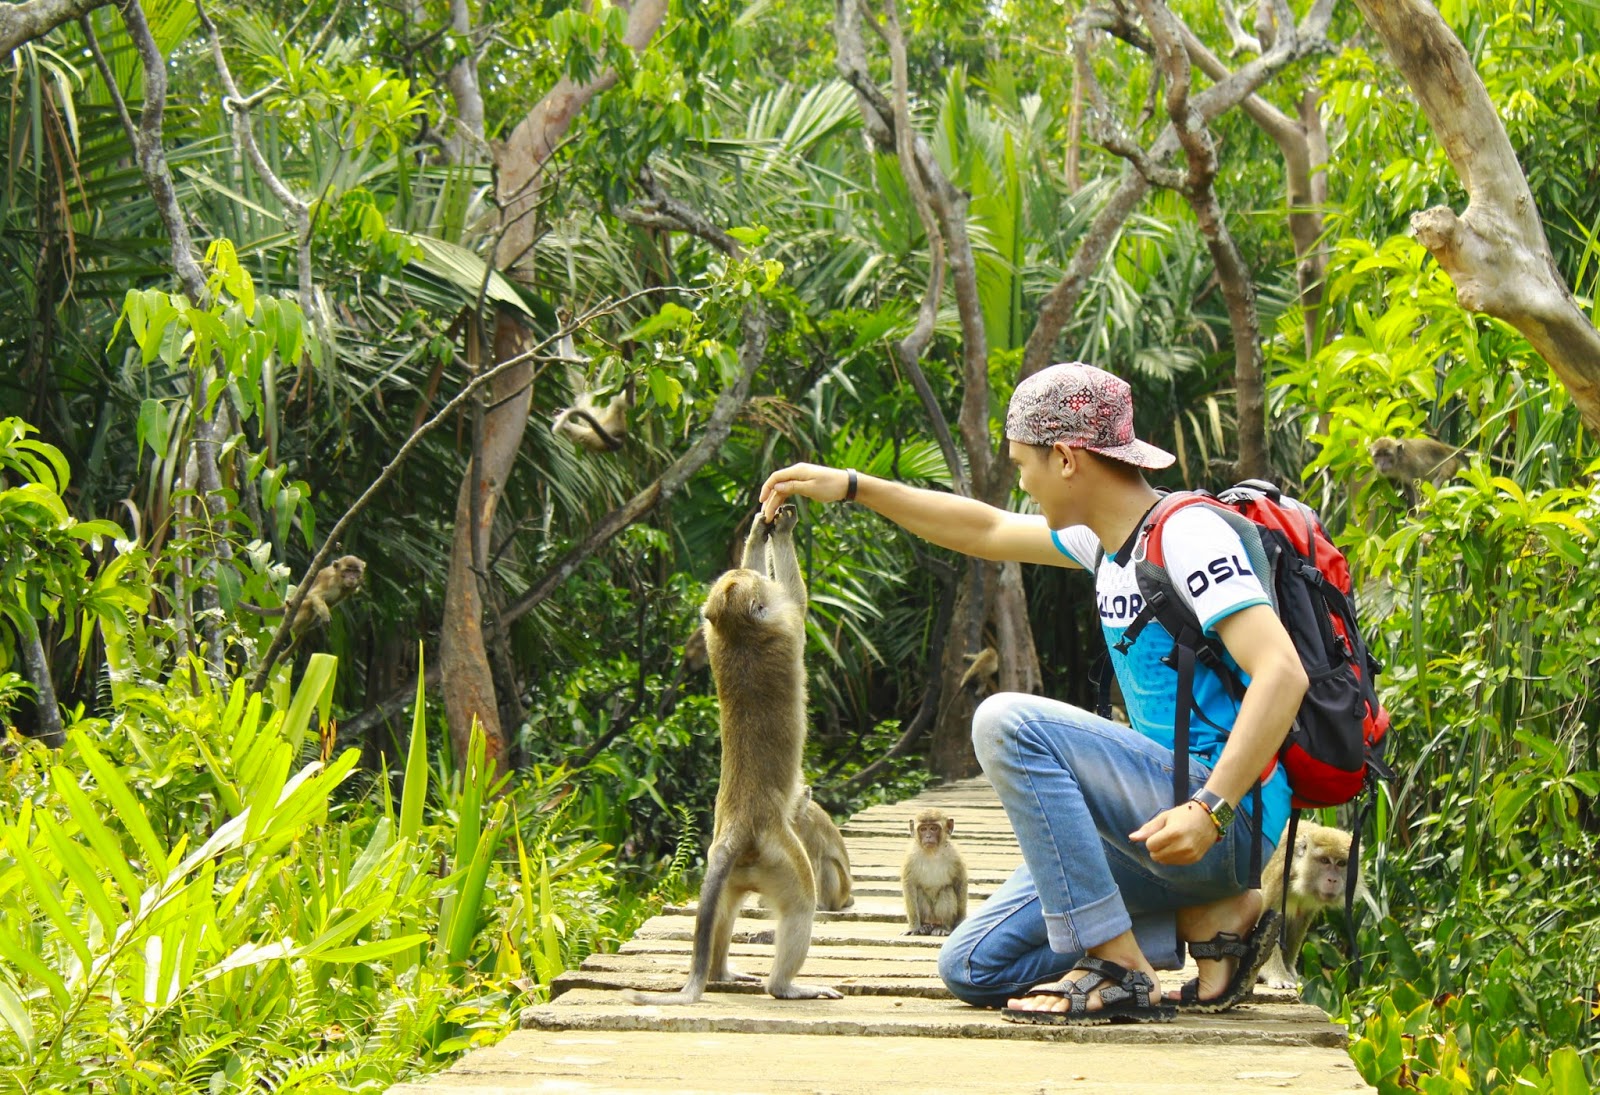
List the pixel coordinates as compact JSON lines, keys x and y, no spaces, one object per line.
{"x":1074,"y":786}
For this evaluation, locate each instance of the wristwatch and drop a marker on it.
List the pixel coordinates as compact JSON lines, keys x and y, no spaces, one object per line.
{"x":1217,"y":806}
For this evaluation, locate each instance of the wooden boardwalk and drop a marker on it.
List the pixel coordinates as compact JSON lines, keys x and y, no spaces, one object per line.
{"x":897,"y":1024}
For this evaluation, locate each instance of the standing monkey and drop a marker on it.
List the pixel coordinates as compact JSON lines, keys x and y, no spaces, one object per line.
{"x":933,"y":876}
{"x":755,"y":637}
{"x":830,"y":862}
{"x":1316,"y":882}
{"x":1407,"y":459}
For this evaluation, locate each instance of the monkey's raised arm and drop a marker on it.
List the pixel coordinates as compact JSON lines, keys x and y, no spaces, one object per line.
{"x":785,"y":563}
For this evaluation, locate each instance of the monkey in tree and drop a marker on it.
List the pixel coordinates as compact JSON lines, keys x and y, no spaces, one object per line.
{"x":830,"y":862}
{"x":1315,"y":881}
{"x":933,"y":876}
{"x":594,"y":427}
{"x":333,"y":583}
{"x":755,"y":637}
{"x":1404,"y":460}
{"x":983,"y":672}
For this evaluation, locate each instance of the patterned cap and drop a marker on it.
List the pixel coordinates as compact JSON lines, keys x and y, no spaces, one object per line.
{"x":1085,"y":407}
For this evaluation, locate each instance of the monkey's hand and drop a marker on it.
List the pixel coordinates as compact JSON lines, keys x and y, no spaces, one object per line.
{"x":1179,"y":836}
{"x":805,"y":480}
{"x":783,"y":525}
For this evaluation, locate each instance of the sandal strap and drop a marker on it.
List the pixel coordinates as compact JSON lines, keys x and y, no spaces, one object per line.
{"x":1107,"y":969}
{"x":1221,"y":945}
{"x":1116,"y":983}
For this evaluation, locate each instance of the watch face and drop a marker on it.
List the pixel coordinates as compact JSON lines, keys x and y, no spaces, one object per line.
{"x":1224,"y":815}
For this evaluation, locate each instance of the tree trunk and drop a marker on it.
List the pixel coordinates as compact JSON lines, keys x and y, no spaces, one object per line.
{"x":942,"y":209}
{"x":1304,"y":148}
{"x":519,"y":166}
{"x":38,"y":666}
{"x":950,"y":752}
{"x":468,"y":682}
{"x":1496,"y":251}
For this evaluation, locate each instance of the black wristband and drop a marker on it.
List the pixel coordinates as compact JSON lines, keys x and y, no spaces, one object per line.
{"x":850,"y":488}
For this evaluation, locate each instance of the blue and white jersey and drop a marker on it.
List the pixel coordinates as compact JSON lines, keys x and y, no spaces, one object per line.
{"x":1212,"y":574}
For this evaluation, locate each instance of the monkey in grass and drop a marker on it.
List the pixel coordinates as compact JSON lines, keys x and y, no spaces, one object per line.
{"x":1404,"y":460}
{"x":333,"y":583}
{"x":830,"y":862}
{"x":755,"y":637}
{"x":1315,"y":881}
{"x":933,"y":876}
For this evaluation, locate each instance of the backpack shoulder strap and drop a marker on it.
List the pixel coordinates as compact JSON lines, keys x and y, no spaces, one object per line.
{"x":1155,"y":585}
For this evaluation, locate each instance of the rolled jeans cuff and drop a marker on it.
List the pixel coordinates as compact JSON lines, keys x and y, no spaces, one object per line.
{"x":1077,"y":930}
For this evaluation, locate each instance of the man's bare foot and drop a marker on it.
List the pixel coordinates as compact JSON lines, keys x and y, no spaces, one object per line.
{"x":1198,"y":923}
{"x":1122,"y":950}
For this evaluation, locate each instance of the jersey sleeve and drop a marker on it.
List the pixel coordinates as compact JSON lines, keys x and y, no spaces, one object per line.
{"x":1209,"y":566}
{"x":1078,"y":543}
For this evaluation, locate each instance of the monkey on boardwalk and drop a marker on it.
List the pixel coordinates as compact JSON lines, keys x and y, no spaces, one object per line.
{"x":1315,"y":881}
{"x":830,"y":862}
{"x":333,"y":583}
{"x":933,"y":877}
{"x":1407,"y":459}
{"x":755,"y":637}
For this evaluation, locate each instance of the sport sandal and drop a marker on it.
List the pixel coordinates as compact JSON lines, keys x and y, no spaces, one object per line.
{"x":1252,"y":951}
{"x":1126,"y":996}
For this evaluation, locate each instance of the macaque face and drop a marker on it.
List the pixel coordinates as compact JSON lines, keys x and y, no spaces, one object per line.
{"x":1322,"y":873}
{"x":351,"y":570}
{"x":1385,"y":452}
{"x":929,"y":833}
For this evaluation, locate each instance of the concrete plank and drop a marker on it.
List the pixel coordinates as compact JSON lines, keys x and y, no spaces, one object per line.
{"x":542,"y":1062}
{"x":870,"y":1016}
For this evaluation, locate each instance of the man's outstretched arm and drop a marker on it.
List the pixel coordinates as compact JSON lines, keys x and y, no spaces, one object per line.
{"x":948,"y":520}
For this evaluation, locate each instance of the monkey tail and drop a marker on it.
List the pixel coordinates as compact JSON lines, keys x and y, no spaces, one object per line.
{"x":705,"y":923}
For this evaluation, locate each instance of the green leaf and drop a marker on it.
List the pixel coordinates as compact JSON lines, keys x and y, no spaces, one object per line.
{"x":44,"y":892}
{"x":152,"y":427}
{"x":416,"y":778}
{"x":370,"y":951}
{"x":1566,"y":1073}
{"x":106,"y":845}
{"x":15,"y":1014}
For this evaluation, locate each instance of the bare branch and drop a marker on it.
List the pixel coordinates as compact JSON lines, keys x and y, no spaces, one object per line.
{"x":22,"y":23}
{"x":244,"y":137}
{"x":1496,"y":251}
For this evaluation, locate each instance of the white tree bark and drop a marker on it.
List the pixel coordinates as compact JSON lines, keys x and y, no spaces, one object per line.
{"x":1495,"y":251}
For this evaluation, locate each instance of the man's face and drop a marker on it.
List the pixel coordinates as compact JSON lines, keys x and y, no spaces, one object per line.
{"x":1042,"y":479}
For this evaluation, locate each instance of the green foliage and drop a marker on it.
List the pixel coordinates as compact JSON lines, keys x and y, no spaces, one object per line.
{"x":187,"y":901}
{"x":44,"y":570}
{"x":1485,"y":606}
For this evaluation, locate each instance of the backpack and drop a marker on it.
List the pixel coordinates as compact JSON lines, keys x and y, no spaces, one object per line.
{"x":1334,"y":749}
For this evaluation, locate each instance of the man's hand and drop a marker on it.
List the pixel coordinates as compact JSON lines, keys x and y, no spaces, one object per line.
{"x":807,"y":480}
{"x":1179,"y":836}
